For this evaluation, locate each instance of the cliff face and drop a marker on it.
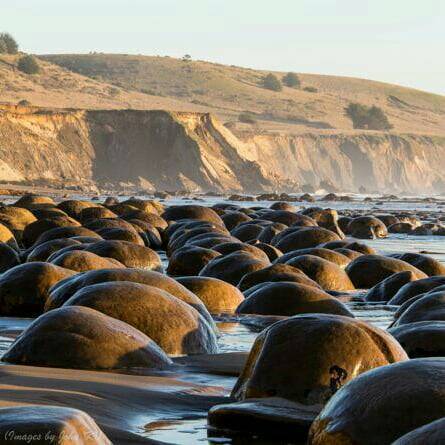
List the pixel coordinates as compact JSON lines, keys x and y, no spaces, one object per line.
{"x":179,"y":150}
{"x":376,"y":161}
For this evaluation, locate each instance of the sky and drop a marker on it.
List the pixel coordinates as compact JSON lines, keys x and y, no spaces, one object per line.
{"x":396,"y":41}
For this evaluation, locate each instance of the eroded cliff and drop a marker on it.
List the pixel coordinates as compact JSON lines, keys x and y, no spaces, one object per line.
{"x":178,"y":150}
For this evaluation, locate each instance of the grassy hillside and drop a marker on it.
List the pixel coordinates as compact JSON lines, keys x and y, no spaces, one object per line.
{"x":57,"y":87}
{"x":229,"y":90}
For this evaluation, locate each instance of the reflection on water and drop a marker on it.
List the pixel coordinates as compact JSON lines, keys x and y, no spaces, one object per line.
{"x":177,"y":431}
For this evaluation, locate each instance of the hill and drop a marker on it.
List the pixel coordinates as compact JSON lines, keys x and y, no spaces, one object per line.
{"x":57,"y":87}
{"x":227,"y":91}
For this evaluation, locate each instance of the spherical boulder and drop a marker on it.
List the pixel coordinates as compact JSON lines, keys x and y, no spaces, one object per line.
{"x":383,"y":404}
{"x":233,"y":218}
{"x":74,"y":207}
{"x":425,"y":263}
{"x":432,"y":434}
{"x":246,"y":232}
{"x":43,"y":251}
{"x":82,"y":261}
{"x":129,"y":254}
{"x":25,"y":288}
{"x":414,"y":288}
{"x":305,"y":238}
{"x":217,"y":295}
{"x":327,"y":274}
{"x":119,"y":234}
{"x":90,"y":213}
{"x":272,"y":252}
{"x":326,"y":218}
{"x":422,"y":338}
{"x":7,"y":237}
{"x":327,"y":254}
{"x":367,"y":227}
{"x":227,"y":248}
{"x":282,"y":205}
{"x":30,"y":200}
{"x":427,"y":308}
{"x":16,"y":219}
{"x":175,"y":213}
{"x":286,"y":298}
{"x":33,"y":231}
{"x":269,"y":232}
{"x":368,"y":270}
{"x":47,"y":424}
{"x":175,"y":326}
{"x":9,"y":257}
{"x":65,"y":232}
{"x":386,"y":289}
{"x":401,"y":227}
{"x":274,"y":273}
{"x":307,"y":358}
{"x":190,"y":260}
{"x":65,"y":289}
{"x":82,"y":338}
{"x":231,"y":268}
{"x":351,"y":254}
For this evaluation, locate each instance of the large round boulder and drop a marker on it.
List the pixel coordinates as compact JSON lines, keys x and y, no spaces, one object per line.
{"x":287,"y":299}
{"x":227,"y":248}
{"x":327,"y":254}
{"x":429,"y":307}
{"x":232,"y":267}
{"x":305,"y":238}
{"x":367,"y":227}
{"x":24,"y":289}
{"x":307,"y":358}
{"x":386,"y":289}
{"x":432,"y":434}
{"x":65,"y":232}
{"x":46,"y":424}
{"x":9,"y":257}
{"x":129,"y":254}
{"x":83,"y":338}
{"x":190,"y":260}
{"x":217,"y":295}
{"x":233,"y":218}
{"x":74,"y":207}
{"x":82,"y":261}
{"x":175,"y":326}
{"x":175,"y":213}
{"x":327,"y":274}
{"x":275,"y":272}
{"x":382,"y":405}
{"x":415,"y":288}
{"x":425,"y":263}
{"x":422,"y":338}
{"x":33,"y":231}
{"x":65,"y":289}
{"x":16,"y":219}
{"x":7,"y":237}
{"x":368,"y":270}
{"x":43,"y":251}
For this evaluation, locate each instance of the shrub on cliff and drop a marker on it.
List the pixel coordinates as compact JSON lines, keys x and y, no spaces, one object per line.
{"x":28,"y":65}
{"x":291,"y":80}
{"x":369,"y":118}
{"x":8,"y":44}
{"x":247,"y":118}
{"x":271,"y":82}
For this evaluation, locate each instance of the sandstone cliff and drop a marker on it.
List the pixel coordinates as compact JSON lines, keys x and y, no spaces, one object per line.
{"x":179,"y":150}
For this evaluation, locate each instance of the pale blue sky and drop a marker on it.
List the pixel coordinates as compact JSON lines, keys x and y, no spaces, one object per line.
{"x":397,"y":41}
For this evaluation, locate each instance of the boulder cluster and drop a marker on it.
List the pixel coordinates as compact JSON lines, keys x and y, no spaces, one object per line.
{"x":91,"y":276}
